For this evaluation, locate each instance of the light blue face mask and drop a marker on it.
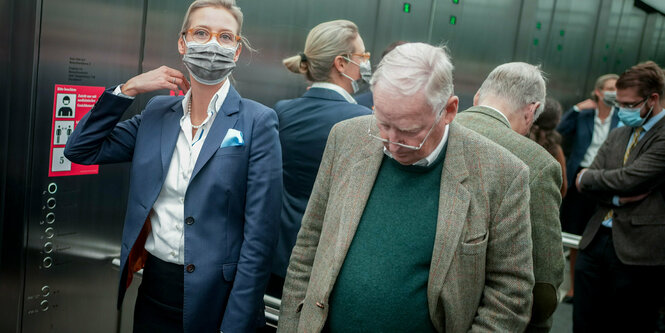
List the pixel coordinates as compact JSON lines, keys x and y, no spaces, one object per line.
{"x":631,"y":117}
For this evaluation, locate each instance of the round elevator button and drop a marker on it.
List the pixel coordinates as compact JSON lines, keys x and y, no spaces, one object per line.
{"x":47,"y":262}
{"x":50,"y":203}
{"x":44,"y":305}
{"x":46,"y":290}
{"x":52,"y":188}
{"x":189,"y":220}
{"x":190,"y":268}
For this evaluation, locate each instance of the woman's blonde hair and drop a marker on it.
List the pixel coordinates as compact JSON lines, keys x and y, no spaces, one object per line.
{"x":229,"y":5}
{"x":324,"y":42}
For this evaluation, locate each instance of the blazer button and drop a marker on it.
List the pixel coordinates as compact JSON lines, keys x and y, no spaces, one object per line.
{"x":319,"y":304}
{"x":190,"y":268}
{"x":189,"y":220}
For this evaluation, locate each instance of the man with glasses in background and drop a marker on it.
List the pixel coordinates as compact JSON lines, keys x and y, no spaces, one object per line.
{"x":505,"y":107}
{"x":415,"y":224}
{"x":620,"y":270}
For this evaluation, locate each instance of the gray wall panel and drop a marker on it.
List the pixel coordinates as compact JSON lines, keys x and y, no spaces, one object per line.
{"x":476,"y":42}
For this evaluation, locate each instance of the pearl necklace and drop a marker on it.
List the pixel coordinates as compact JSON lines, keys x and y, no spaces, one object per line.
{"x":189,"y":112}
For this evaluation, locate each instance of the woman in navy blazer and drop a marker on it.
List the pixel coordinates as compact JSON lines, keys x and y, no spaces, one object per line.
{"x":332,"y":59}
{"x":205,"y":183}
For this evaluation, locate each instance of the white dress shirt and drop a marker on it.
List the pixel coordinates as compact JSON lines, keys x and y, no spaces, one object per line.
{"x":601,"y":128}
{"x":166,"y":241}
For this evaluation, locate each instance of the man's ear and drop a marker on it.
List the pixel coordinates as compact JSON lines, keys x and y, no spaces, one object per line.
{"x":475,"y":99}
{"x":451,"y":109}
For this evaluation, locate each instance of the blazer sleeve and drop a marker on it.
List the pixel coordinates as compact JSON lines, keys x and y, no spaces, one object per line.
{"x":505,"y":304}
{"x":262,"y":210}
{"x":99,"y":138}
{"x":568,"y":123}
{"x":549,"y":263}
{"x":642,"y":175}
{"x":302,"y":256}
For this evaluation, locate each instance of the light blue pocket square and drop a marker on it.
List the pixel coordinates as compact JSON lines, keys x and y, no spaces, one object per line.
{"x":232,"y":138}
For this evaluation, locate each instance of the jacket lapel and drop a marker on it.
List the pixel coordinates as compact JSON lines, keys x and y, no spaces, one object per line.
{"x":454,"y":201}
{"x":364,"y":174}
{"x":226,"y":118}
{"x":169,"y":136}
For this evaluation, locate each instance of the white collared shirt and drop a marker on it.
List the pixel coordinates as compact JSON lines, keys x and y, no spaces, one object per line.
{"x":432,"y":156}
{"x":337,"y":89}
{"x":166,"y":241}
{"x":601,"y":129}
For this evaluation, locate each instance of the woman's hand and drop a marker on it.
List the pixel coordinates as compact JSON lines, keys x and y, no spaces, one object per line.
{"x":161,"y":78}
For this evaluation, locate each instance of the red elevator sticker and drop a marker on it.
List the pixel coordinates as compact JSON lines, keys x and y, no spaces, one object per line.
{"x":70,"y":104}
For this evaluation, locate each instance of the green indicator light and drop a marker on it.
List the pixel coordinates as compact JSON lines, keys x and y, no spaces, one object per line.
{"x":559,"y":47}
{"x":535,"y":41}
{"x":407,"y":7}
{"x":455,"y":1}
{"x":562,"y":33}
{"x":538,"y":25}
{"x":453,"y":19}
{"x":620,"y":50}
{"x":604,"y":59}
{"x":618,"y":61}
{"x":607,"y":46}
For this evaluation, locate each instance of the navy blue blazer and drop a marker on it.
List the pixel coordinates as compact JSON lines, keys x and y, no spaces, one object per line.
{"x":233,"y":199}
{"x":577,"y":131}
{"x":304,"y":125}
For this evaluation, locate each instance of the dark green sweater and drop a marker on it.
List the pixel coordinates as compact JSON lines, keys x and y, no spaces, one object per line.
{"x":382,"y":286}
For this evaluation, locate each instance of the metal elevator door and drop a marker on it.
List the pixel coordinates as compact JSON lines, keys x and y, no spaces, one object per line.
{"x":75,"y":222}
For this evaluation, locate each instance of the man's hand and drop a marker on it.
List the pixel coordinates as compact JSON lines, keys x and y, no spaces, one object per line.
{"x":578,"y":178}
{"x":160,"y":78}
{"x":586,"y":104}
{"x":635,"y":198}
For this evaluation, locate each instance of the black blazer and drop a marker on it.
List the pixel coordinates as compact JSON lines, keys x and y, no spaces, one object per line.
{"x":304,"y":125}
{"x":638,"y":229}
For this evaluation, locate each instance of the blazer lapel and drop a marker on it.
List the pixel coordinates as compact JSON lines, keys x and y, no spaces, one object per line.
{"x":454,"y":201}
{"x":226,"y":118}
{"x":364,"y":174}
{"x":169,"y":137}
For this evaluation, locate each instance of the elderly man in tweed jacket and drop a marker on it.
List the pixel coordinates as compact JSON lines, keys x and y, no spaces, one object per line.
{"x":415,"y":224}
{"x":505,"y":107}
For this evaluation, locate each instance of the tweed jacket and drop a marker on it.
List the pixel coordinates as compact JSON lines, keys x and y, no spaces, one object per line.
{"x":545,"y":183}
{"x":638,"y":229}
{"x":481,"y":272}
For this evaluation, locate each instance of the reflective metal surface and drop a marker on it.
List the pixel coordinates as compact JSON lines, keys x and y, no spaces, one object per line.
{"x":58,"y":235}
{"x":75,"y":222}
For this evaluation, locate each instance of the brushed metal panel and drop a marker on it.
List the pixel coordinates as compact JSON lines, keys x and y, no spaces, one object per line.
{"x":630,"y":28}
{"x":567,"y":54}
{"x":79,"y":280}
{"x":653,"y":29}
{"x":477,"y":44}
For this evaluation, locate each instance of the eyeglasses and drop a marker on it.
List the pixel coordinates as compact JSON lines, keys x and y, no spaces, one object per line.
{"x":631,"y":105}
{"x":418,"y":147}
{"x":203,"y":35}
{"x":365,"y":55}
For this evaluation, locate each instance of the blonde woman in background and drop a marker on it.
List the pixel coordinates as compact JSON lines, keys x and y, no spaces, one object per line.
{"x":334,"y":60}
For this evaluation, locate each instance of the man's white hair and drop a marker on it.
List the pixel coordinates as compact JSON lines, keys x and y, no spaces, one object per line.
{"x":518,"y":83}
{"x":414,"y":67}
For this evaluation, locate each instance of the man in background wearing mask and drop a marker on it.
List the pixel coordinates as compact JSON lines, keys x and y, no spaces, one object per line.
{"x":584,"y":128}
{"x":505,"y":107}
{"x":620,"y":270}
{"x":205,"y":183}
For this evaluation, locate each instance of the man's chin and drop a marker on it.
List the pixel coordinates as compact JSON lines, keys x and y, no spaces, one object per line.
{"x":404,"y":160}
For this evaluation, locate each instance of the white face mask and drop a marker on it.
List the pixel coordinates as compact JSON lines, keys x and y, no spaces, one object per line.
{"x":365,"y":75}
{"x":209,"y":63}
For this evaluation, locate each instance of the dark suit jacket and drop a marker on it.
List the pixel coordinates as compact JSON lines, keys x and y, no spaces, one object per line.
{"x":577,"y":131}
{"x":365,"y":99}
{"x":638,"y":229}
{"x":232,"y":199}
{"x":304,"y":125}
